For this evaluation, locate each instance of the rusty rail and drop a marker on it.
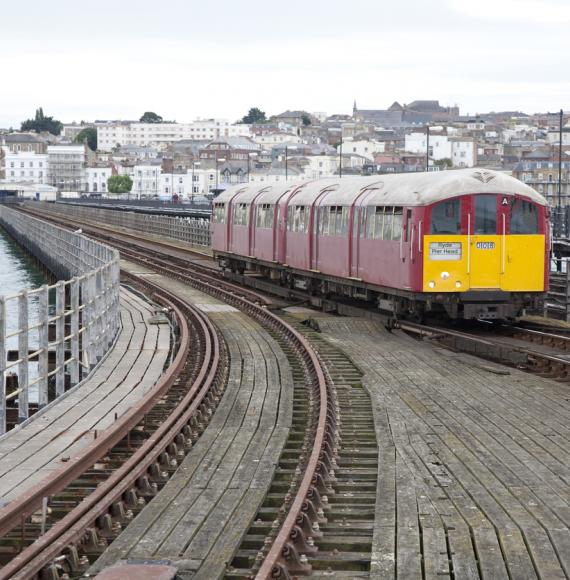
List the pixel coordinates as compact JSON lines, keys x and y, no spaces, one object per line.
{"x":304,"y":509}
{"x":74,"y":525}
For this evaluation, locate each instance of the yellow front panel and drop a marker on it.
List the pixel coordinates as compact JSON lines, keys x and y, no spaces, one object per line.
{"x":485,"y":270}
{"x":524,"y":263}
{"x":451,"y":264}
{"x":436,"y":264}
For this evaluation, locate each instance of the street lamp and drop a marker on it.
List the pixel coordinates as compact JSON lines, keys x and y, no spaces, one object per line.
{"x":293,"y":148}
{"x":220,"y":160}
{"x":249,"y":155}
{"x":427,"y":147}
{"x":194,"y":164}
{"x":340,"y":157}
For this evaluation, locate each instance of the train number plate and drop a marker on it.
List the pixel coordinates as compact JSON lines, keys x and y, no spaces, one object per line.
{"x":485,"y":245}
{"x":445,"y":251}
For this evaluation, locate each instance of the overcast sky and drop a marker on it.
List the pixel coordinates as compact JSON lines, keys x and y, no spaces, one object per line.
{"x":186,"y":59}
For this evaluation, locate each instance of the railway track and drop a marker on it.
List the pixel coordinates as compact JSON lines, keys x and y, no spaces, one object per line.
{"x":289,"y":544}
{"x":59,"y":524}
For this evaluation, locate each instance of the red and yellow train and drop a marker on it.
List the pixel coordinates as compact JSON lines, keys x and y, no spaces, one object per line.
{"x":470,"y":243}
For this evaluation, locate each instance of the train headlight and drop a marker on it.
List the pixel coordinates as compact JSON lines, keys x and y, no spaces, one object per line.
{"x":445,"y":275}
{"x":431,"y":284}
{"x":458,"y":284}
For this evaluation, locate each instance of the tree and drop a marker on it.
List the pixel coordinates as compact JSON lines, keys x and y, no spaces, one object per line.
{"x":443,"y":163}
{"x":306,"y":119}
{"x":119,"y":184}
{"x":88,"y":134}
{"x":42,"y":123}
{"x":150,"y":117}
{"x":255,"y":115}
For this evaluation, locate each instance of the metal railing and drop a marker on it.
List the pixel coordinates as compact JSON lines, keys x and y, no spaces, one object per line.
{"x":194,"y":231}
{"x":77,"y":318}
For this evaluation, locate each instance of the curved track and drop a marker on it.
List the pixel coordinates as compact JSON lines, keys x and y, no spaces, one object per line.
{"x":61,"y":547}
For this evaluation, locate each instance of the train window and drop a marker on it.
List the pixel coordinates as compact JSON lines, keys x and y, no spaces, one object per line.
{"x":397,"y":221}
{"x":408,"y":221}
{"x":334,"y":220}
{"x":384,"y":223}
{"x":446,"y":217}
{"x":265,"y":215}
{"x":241,"y":213}
{"x":524,"y":217}
{"x":297,"y":218}
{"x":485,"y":214}
{"x":220,"y":213}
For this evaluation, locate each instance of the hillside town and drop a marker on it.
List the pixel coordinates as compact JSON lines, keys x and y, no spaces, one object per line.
{"x":194,"y":161}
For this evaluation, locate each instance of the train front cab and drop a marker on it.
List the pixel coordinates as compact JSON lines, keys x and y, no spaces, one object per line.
{"x":489,"y":250}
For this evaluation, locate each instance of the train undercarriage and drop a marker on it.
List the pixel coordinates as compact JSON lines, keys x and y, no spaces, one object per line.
{"x":399,"y":304}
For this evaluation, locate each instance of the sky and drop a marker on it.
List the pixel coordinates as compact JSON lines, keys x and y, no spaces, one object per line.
{"x":189,"y":59}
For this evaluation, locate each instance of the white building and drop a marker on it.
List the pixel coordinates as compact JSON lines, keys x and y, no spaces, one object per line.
{"x":365,"y":148}
{"x":24,"y":166}
{"x":321,"y":166}
{"x":162,"y":134}
{"x":146,"y":180}
{"x":96,"y":179}
{"x":66,"y":167}
{"x":439,"y":145}
{"x":274,"y":139}
{"x":463,"y":152}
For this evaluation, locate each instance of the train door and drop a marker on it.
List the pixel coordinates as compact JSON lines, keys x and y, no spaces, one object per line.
{"x":314,"y":254}
{"x":485,"y":246}
{"x":355,"y":235}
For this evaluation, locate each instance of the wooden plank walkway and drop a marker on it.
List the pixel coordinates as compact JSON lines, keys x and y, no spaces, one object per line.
{"x":198,"y":520}
{"x":474,"y":461}
{"x":28,"y":454}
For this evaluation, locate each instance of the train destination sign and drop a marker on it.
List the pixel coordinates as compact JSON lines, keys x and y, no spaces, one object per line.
{"x":445,"y":251}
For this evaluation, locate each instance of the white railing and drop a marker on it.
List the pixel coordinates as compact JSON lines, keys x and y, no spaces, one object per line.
{"x":77,"y":318}
{"x":194,"y":231}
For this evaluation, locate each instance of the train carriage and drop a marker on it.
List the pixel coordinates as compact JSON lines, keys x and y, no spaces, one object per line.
{"x":471,"y":243}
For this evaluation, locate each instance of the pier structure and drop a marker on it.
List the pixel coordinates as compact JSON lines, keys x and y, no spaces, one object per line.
{"x":78,"y":316}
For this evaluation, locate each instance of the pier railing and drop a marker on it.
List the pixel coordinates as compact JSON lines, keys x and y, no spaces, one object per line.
{"x":51,"y":337}
{"x":194,"y":231}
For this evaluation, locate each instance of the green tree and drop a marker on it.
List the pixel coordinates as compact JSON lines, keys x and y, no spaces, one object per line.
{"x":88,"y":134}
{"x":119,"y":184}
{"x":42,"y":123}
{"x":306,"y":119}
{"x":150,"y":117}
{"x":255,"y":115}
{"x":443,"y":163}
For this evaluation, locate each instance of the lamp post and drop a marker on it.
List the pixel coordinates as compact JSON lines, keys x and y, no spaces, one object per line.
{"x":560,"y":163}
{"x":194,"y":164}
{"x":293,"y":147}
{"x":218,"y":160}
{"x":427,"y":147}
{"x":340,"y":157}
{"x":249,"y":156}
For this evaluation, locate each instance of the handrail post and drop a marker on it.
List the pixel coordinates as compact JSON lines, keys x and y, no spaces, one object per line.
{"x":74,"y":331}
{"x":2,"y":365}
{"x":43,"y":346}
{"x":60,"y":339}
{"x":23,"y":356}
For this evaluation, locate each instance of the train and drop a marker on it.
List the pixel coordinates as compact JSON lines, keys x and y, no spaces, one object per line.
{"x":462,"y":244}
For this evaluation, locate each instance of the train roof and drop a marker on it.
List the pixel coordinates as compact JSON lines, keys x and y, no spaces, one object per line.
{"x":408,"y":189}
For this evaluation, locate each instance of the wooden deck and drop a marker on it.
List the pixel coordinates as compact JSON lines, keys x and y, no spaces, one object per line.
{"x":474,"y":461}
{"x":28,"y":454}
{"x":198,"y":519}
